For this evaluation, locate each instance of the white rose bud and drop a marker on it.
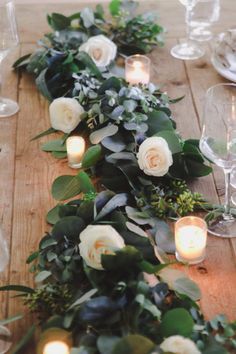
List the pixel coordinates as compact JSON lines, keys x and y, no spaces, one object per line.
{"x":179,"y":345}
{"x":154,"y":156}
{"x":65,"y":114}
{"x":97,"y":240}
{"x":101,"y":49}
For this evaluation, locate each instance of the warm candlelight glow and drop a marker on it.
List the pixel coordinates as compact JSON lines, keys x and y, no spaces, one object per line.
{"x":137,"y":69}
{"x":190,"y":239}
{"x":75,"y":146}
{"x":56,"y":347}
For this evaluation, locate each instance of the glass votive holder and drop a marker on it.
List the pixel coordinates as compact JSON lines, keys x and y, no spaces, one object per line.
{"x":75,"y":146}
{"x":190,"y":239}
{"x":137,"y":69}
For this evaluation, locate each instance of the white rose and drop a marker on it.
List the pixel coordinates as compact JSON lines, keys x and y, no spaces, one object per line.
{"x":154,"y":156}
{"x":65,"y":114}
{"x":97,"y":240}
{"x":179,"y":345}
{"x":101,"y":49}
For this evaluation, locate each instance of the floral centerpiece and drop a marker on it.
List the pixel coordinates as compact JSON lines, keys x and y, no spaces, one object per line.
{"x":103,"y":285}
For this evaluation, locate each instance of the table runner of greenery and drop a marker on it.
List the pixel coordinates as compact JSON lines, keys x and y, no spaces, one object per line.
{"x":92,"y":271}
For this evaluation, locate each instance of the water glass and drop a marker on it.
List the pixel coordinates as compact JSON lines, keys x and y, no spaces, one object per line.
{"x":203,"y":15}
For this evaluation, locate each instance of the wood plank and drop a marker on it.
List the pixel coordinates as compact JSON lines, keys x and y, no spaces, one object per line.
{"x":171,"y":72}
{"x":7,"y":157}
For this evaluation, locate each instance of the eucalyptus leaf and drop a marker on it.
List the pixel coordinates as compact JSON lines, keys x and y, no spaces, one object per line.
{"x":140,"y":217}
{"x":59,"y":22}
{"x":177,"y":321}
{"x":54,"y":145}
{"x":164,"y":237}
{"x":44,"y":133}
{"x":172,"y":140}
{"x":87,"y":16}
{"x":69,"y":227}
{"x":19,"y":288}
{"x":114,"y":143}
{"x":118,"y":200}
{"x":106,"y":343}
{"x":91,"y":156}
{"x":43,"y":275}
{"x":59,"y":154}
{"x":10,"y":320}
{"x":65,"y":187}
{"x":53,"y":215}
{"x":186,"y":286}
{"x":136,"y":229}
{"x":98,"y":135}
{"x":114,"y":7}
{"x":89,"y":63}
{"x":134,"y":344}
{"x":87,"y":296}
{"x":158,"y":121}
{"x":85,"y":182}
{"x":41,"y":83}
{"x":22,"y":61}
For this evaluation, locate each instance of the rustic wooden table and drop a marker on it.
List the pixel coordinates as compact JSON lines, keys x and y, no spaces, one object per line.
{"x":26,"y":173}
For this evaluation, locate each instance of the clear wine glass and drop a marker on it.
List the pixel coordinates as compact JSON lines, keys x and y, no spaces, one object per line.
{"x":218,"y":144}
{"x":8,"y":40}
{"x":189,"y":49}
{"x":5,"y":334}
{"x":204,"y":14}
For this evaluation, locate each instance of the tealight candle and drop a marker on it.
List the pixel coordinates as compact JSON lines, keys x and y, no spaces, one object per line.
{"x":56,"y":347}
{"x":190,"y":239}
{"x":137,"y":69}
{"x":75,"y":146}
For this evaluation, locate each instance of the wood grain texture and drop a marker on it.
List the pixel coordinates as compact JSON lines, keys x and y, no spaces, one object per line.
{"x":26,"y":173}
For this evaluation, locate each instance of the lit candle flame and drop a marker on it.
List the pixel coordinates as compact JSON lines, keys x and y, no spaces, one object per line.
{"x":56,"y":347}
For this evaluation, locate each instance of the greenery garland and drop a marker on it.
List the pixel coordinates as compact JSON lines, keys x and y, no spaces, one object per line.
{"x":106,"y":302}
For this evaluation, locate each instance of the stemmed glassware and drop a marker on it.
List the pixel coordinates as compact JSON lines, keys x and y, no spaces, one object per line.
{"x":189,"y":49}
{"x":218,"y":144}
{"x":8,"y":40}
{"x":5,"y":334}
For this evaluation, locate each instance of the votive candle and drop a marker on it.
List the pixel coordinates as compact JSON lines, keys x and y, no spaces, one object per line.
{"x":137,"y":69}
{"x":190,"y":239}
{"x":56,"y":347}
{"x":75,"y":146}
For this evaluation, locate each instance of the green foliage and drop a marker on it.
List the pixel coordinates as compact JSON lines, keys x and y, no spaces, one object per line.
{"x":177,"y":322}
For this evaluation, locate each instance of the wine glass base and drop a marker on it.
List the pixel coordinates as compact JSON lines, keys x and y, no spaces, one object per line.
{"x":187,"y":51}
{"x":223,"y":228}
{"x":5,"y":340}
{"x":8,"y":107}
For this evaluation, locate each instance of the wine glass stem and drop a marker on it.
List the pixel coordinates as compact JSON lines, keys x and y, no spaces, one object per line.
{"x":2,"y":104}
{"x":227,"y":214}
{"x":187,"y":20}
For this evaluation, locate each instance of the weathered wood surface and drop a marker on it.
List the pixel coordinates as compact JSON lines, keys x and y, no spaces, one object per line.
{"x":26,"y":173}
